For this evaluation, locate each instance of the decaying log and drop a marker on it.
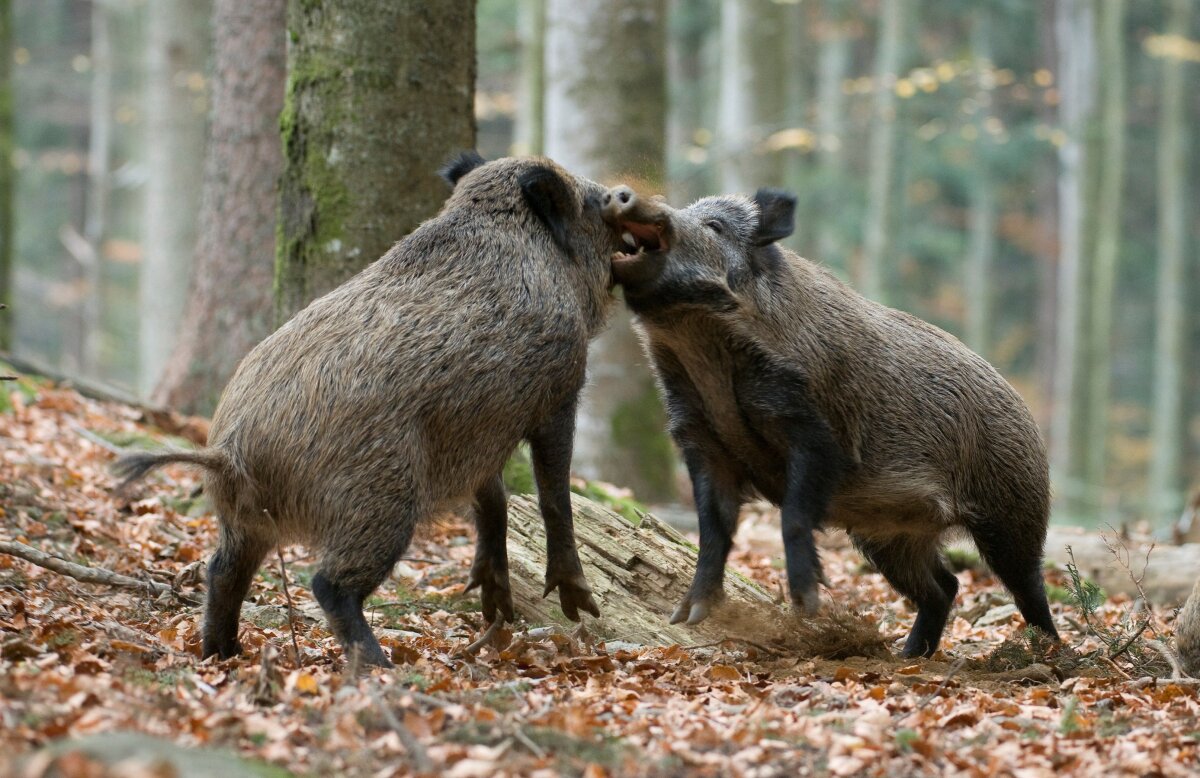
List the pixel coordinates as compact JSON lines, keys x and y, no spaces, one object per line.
{"x":1167,"y":575}
{"x":638,"y":574}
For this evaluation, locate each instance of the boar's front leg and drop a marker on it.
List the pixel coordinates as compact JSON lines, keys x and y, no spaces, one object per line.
{"x":717,"y":504}
{"x":550,"y":449}
{"x":490,"y":568}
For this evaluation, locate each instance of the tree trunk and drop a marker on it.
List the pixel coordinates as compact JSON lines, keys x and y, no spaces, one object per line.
{"x":870,"y":278}
{"x":751,"y":101}
{"x":177,"y":53}
{"x":1047,"y":205}
{"x":99,"y":162}
{"x":379,"y":95}
{"x":7,"y":174}
{"x":1077,"y":84}
{"x":637,"y":574}
{"x":530,"y":124}
{"x":605,"y":92}
{"x":688,"y":54}
{"x":229,"y":300}
{"x":1168,"y":431}
{"x":982,"y":221}
{"x":1108,"y":245}
{"x":833,"y":66}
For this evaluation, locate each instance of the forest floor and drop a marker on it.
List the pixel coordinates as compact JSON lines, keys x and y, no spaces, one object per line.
{"x":80,"y":660}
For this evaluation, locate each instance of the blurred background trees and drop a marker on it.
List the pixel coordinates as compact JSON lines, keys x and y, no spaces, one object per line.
{"x":1018,"y":172}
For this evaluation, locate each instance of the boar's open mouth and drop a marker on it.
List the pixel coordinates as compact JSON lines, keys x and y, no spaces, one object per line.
{"x":639,"y":237}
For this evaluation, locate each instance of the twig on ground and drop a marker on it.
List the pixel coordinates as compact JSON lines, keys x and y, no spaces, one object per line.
{"x":95,"y":439}
{"x":416,"y":752}
{"x":290,"y":609}
{"x":1169,"y":655}
{"x":92,"y":575}
{"x":1121,"y":649}
{"x":485,"y":638}
{"x":422,"y":560}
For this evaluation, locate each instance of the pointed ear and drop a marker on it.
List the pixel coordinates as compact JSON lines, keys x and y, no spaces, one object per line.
{"x":459,"y":165}
{"x":551,"y":200}
{"x":776,"y":215}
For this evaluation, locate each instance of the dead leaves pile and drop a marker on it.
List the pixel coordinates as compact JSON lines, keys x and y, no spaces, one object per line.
{"x":78,"y":660}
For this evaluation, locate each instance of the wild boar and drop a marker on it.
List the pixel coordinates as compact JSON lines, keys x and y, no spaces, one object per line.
{"x":780,"y":379}
{"x":403,"y":392}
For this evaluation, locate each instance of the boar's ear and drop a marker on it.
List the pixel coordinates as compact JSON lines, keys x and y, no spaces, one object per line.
{"x":459,"y":165}
{"x":776,"y":215}
{"x":550,"y":199}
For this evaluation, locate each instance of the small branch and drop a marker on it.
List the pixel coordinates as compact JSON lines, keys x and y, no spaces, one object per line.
{"x":1169,"y":655}
{"x":485,"y":638}
{"x":1117,"y":651}
{"x":93,"y":575}
{"x":421,"y":560}
{"x":416,"y":752}
{"x":291,"y":610}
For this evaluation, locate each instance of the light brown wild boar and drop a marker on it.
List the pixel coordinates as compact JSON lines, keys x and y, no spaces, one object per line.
{"x":780,"y":379}
{"x":403,"y":392}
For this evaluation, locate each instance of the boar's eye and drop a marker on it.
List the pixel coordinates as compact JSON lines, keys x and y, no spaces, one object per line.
{"x":715,"y":226}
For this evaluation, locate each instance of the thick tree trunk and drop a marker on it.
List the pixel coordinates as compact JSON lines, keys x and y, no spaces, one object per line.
{"x":530,"y":125}
{"x":981,"y":248}
{"x":1168,"y":431}
{"x":637,"y":574}
{"x":606,"y":88}
{"x":688,"y":54}
{"x":870,"y":277}
{"x":1077,"y":85}
{"x":1108,"y":245}
{"x":833,"y":66}
{"x":177,"y":53}
{"x":229,"y":306}
{"x":751,"y":102}
{"x":7,"y":174}
{"x":1047,"y":204}
{"x":379,"y":95}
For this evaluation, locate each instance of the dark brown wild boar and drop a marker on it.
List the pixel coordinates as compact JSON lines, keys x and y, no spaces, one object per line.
{"x":404,"y":391}
{"x":780,"y":379}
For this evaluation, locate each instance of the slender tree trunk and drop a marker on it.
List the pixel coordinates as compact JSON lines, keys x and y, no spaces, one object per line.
{"x":365,"y":128}
{"x":1168,"y":431}
{"x":229,"y":305}
{"x":688,"y":46}
{"x":1108,"y":241}
{"x":833,"y":66}
{"x":529,"y":131}
{"x":751,"y":101}
{"x":7,"y":174}
{"x":177,"y":54}
{"x":981,"y":248}
{"x":1047,"y":200}
{"x":1076,"y":44}
{"x":881,"y":153}
{"x":606,"y":88}
{"x":99,"y":161}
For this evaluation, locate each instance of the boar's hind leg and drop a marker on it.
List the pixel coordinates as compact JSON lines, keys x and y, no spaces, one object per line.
{"x":1017,"y":562}
{"x":717,"y":504}
{"x":490,"y":569}
{"x":550,"y":448}
{"x":353,"y":565}
{"x":914,"y":566}
{"x":230,"y":572}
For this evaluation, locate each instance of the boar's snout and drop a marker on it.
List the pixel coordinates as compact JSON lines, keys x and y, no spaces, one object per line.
{"x":618,"y":201}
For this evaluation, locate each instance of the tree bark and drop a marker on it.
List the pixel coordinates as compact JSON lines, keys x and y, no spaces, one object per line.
{"x":751,"y":101}
{"x":229,"y":300}
{"x":1047,"y":205}
{"x":379,"y":95}
{"x":605,"y":92}
{"x":688,"y":54}
{"x":1168,"y":430}
{"x":637,"y":574}
{"x":99,"y":162}
{"x":1075,"y":31}
{"x":530,"y":125}
{"x":870,"y":278}
{"x":177,"y":55}
{"x":1108,"y":245}
{"x":981,"y":249}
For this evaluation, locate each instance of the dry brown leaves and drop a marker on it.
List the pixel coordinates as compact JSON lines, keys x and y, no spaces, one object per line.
{"x":77,"y":659}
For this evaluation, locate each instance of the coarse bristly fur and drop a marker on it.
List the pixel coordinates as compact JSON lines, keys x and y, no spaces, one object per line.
{"x":1187,"y":633}
{"x":782,"y":380}
{"x":403,"y":392}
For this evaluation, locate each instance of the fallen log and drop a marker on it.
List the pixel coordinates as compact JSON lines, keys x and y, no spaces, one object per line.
{"x":638,"y":574}
{"x":1167,"y":572}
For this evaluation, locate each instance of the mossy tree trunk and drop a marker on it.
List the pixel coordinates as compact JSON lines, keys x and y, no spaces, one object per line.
{"x":177,"y":55}
{"x":379,"y":95}
{"x":605,"y":119}
{"x":229,"y":307}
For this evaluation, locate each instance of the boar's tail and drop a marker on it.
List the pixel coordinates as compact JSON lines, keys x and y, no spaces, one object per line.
{"x":132,"y":467}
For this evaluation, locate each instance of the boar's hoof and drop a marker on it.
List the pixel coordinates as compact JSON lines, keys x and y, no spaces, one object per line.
{"x":494,"y":592}
{"x":574,"y":594}
{"x":807,"y":602}
{"x":694,"y":609}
